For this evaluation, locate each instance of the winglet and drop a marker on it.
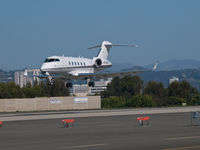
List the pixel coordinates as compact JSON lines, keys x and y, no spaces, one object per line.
{"x":155,"y":66}
{"x":25,"y":72}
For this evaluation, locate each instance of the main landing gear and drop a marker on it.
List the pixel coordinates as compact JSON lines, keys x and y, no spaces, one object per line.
{"x":69,"y":85}
{"x":91,"y":84}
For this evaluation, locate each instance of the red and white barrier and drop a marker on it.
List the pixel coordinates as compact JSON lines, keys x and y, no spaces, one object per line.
{"x":141,"y":120}
{"x":67,"y":122}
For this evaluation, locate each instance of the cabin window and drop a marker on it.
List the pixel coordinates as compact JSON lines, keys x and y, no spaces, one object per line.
{"x":72,"y":63}
{"x":78,"y":63}
{"x":84,"y":63}
{"x":81,"y":64}
{"x":69,"y":63}
{"x":51,"y":60}
{"x":75,"y":63}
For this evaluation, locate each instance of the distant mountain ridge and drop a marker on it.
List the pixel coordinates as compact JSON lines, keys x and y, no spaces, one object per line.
{"x":176,"y":64}
{"x":169,"y":65}
{"x":119,"y":67}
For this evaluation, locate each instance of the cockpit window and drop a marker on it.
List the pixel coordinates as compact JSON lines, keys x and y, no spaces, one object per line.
{"x":51,"y":60}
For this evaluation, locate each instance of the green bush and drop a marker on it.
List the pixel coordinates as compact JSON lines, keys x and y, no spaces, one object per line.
{"x":140,"y":101}
{"x":11,"y":90}
{"x":113,"y":102}
{"x":134,"y":101}
{"x":175,"y":101}
{"x":195,"y":100}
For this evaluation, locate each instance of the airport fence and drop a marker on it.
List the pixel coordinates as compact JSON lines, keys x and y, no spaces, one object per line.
{"x":50,"y":103}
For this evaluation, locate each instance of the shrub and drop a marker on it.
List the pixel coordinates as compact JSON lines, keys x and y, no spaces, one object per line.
{"x":174,"y":101}
{"x":113,"y":102}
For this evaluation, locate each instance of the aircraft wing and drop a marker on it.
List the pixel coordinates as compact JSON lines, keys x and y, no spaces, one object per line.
{"x":109,"y":74}
{"x":104,"y":75}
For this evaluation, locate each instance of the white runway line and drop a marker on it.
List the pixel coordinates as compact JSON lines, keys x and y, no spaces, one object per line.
{"x":183,"y":138}
{"x":83,"y":146}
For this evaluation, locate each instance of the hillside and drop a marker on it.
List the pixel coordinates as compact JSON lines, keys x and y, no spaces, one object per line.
{"x":6,"y":76}
{"x":190,"y":75}
{"x":175,"y":64}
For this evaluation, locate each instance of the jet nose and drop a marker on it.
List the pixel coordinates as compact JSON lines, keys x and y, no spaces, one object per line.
{"x":42,"y":72}
{"x":42,"y":69}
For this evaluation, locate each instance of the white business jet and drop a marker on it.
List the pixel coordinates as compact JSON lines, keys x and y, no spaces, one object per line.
{"x":80,"y":68}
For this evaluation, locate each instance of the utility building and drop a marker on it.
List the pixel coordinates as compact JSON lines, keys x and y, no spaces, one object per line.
{"x":173,"y":79}
{"x":22,"y":80}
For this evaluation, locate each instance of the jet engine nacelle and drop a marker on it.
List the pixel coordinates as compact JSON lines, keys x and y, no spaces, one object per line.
{"x":98,"y":62}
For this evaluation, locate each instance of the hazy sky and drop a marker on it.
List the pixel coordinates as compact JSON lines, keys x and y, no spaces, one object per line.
{"x":31,"y":30}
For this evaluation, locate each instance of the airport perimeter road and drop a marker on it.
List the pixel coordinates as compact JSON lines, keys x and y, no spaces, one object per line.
{"x":165,"y":132}
{"x":93,"y":113}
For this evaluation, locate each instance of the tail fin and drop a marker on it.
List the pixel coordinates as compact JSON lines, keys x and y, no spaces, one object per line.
{"x":105,"y":48}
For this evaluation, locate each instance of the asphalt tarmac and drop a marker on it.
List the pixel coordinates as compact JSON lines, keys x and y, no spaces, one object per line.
{"x":19,"y":116}
{"x":171,"y":131}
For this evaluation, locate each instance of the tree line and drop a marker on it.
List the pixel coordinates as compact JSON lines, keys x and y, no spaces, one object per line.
{"x":43,"y":89}
{"x":130,"y":91}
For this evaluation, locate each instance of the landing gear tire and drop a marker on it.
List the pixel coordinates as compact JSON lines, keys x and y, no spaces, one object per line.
{"x":50,"y":82}
{"x":69,"y":85}
{"x":91,"y":84}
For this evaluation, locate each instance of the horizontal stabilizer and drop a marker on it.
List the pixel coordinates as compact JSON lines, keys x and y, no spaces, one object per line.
{"x":125,"y":45}
{"x":94,"y":47}
{"x":122,"y":45}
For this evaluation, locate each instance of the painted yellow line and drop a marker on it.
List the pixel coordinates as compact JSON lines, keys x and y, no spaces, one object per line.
{"x":183,"y":138}
{"x":181,"y":148}
{"x":83,"y":146}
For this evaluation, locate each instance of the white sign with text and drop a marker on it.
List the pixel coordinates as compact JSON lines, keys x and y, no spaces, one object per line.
{"x":55,"y":101}
{"x":80,"y":100}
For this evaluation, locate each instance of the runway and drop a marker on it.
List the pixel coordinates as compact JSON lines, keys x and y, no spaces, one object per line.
{"x":167,"y":131}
